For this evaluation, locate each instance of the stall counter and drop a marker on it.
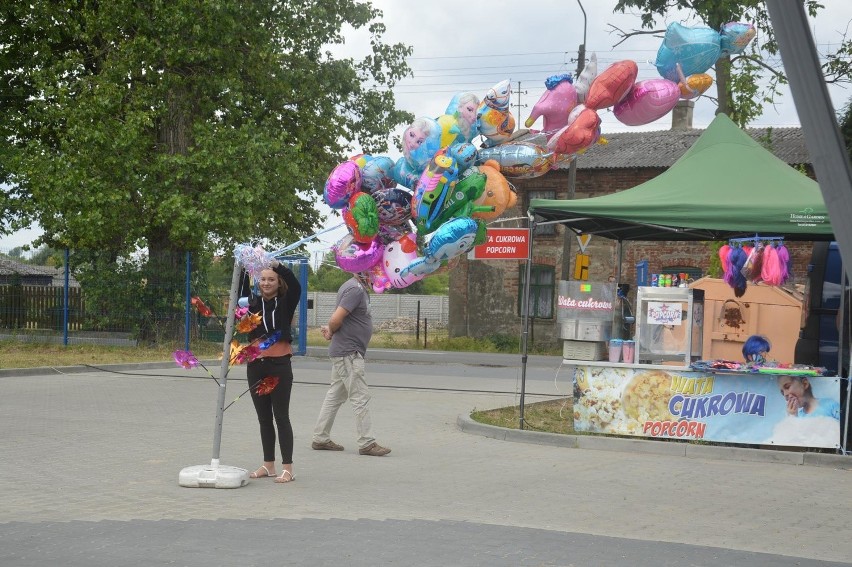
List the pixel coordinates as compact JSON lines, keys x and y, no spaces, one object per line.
{"x":678,"y":402}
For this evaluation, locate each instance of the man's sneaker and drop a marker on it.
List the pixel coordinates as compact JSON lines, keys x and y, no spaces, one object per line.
{"x":374,"y":450}
{"x":326,"y":446}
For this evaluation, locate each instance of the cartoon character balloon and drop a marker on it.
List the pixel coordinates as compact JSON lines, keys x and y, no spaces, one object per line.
{"x":582,"y":131}
{"x":612,"y":85}
{"x":393,"y":206}
{"x":361,"y":218}
{"x":555,"y":104}
{"x":396,"y":258}
{"x":420,"y":140}
{"x":495,"y":121}
{"x":454,"y":237}
{"x":647,"y":101}
{"x":354,"y":257}
{"x":587,"y":75}
{"x":376,"y":173}
{"x":458,"y":123}
{"x":696,"y":49}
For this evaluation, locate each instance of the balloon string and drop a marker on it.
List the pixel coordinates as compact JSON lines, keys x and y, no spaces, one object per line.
{"x":306,"y":239}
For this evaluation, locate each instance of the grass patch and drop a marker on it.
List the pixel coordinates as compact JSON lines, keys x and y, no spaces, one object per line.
{"x":15,"y":354}
{"x":551,"y":416}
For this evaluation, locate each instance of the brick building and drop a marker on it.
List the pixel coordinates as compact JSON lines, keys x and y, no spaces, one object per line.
{"x":485,"y":295}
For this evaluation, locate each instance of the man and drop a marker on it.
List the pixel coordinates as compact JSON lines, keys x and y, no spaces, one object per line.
{"x":349,"y":329}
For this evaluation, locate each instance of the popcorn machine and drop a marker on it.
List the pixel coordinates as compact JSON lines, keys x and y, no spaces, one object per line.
{"x":669,"y":325}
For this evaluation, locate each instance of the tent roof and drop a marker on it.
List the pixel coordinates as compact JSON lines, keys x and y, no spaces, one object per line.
{"x":725,"y":186}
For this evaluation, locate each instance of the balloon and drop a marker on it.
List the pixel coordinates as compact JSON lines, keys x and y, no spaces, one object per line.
{"x":496,"y":193}
{"x":354,"y":257}
{"x":452,"y":238}
{"x":582,"y":131}
{"x":396,"y":257}
{"x":647,"y":101}
{"x":694,"y":85}
{"x":696,"y":49}
{"x":463,"y":107}
{"x":460,"y":201}
{"x":555,"y":104}
{"x":389,"y":233}
{"x":362,"y":218}
{"x":376,"y":173}
{"x":438,"y":178}
{"x":612,"y":85}
{"x":465,"y":155}
{"x":405,"y":174}
{"x":393,"y":206}
{"x":735,"y":37}
{"x":493,"y":117}
{"x":520,"y":159}
{"x":420,"y":140}
{"x":379,"y":279}
{"x":344,"y":181}
{"x":450,"y":130}
{"x":587,"y":75}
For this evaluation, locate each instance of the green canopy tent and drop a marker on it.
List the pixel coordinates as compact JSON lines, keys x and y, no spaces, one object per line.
{"x":725,"y":186}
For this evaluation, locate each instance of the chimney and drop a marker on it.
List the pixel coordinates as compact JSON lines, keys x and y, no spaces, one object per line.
{"x":682,"y":115}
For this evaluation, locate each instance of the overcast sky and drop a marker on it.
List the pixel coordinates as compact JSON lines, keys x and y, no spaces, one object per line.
{"x":472,"y":45}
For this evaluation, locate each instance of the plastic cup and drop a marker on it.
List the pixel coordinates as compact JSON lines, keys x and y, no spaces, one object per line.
{"x":615,"y":350}
{"x":628,"y":350}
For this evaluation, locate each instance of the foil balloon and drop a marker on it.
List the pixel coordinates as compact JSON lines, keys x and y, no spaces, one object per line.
{"x":405,"y":174}
{"x":520,"y":160}
{"x":463,"y":108}
{"x":354,"y":257}
{"x":344,"y":181}
{"x":452,"y":238}
{"x":450,"y":131}
{"x":587,"y":75}
{"x":696,"y":49}
{"x":582,"y":131}
{"x":376,"y":173}
{"x":612,"y":85}
{"x":396,"y":257}
{"x":555,"y":104}
{"x":438,"y":178}
{"x":362,"y":218}
{"x":647,"y":101}
{"x":389,"y":233}
{"x":378,"y":279}
{"x":460,"y":202}
{"x":465,"y":155}
{"x":493,"y":117}
{"x":693,"y":85}
{"x":735,"y":37}
{"x":420,"y":140}
{"x":496,"y":193}
{"x":393,"y":206}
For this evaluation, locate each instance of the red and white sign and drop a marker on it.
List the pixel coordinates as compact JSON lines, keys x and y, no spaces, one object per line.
{"x":503,"y":244}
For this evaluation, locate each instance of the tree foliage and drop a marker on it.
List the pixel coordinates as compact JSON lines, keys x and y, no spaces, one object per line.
{"x":747,"y":82}
{"x":845,"y":119}
{"x":182,"y":125}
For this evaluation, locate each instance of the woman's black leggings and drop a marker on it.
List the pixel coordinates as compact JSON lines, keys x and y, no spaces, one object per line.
{"x":273,"y":405}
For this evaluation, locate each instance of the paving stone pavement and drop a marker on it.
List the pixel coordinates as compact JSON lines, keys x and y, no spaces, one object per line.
{"x":90,"y":462}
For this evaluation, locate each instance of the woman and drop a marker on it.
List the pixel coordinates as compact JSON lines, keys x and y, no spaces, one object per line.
{"x":279,"y":295}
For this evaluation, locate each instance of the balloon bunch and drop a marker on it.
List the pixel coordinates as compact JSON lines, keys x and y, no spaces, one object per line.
{"x":408,"y":218}
{"x":767,"y":263}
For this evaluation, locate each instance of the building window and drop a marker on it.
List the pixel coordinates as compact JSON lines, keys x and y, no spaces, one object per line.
{"x":547,"y":229}
{"x":542,"y":289}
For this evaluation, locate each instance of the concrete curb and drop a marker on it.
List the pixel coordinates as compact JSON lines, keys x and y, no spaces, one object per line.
{"x":651,"y":447}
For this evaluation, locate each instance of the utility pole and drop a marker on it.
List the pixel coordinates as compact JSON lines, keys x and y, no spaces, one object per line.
{"x":519,"y":105}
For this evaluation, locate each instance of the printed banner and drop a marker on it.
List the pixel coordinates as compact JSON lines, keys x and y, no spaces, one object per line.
{"x":758,"y":409}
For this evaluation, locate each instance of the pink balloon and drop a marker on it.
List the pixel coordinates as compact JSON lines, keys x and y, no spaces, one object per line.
{"x":647,"y":101}
{"x":352,"y":256}
{"x":344,"y":181}
{"x":554,"y":105}
{"x":612,"y":85}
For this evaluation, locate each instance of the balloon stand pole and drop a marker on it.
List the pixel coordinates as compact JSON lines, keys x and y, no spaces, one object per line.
{"x":215,"y":475}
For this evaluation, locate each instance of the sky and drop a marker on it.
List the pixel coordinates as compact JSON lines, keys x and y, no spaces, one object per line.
{"x":471,"y":46}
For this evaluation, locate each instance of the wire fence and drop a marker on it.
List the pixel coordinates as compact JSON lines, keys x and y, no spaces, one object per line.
{"x":77,"y":297}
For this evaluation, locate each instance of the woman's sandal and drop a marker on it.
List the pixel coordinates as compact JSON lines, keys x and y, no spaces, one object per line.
{"x":256,"y":474}
{"x":290,"y":477}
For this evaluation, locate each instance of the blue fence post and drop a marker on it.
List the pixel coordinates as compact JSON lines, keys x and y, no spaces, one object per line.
{"x":188,"y":300}
{"x":65,"y":300}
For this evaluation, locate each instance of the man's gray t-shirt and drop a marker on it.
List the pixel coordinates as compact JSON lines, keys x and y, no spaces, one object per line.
{"x":357,"y":328}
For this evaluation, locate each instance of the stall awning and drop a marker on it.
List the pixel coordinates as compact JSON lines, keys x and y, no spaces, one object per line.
{"x":726,"y":185}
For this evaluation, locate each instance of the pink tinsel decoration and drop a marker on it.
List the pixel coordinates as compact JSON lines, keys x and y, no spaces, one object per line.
{"x":771,"y":270}
{"x":784,"y":261}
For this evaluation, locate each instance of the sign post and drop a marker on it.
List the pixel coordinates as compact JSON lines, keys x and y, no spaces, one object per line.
{"x":503,"y":244}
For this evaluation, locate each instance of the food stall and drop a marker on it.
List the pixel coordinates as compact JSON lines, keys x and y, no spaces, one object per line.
{"x":664,"y":390}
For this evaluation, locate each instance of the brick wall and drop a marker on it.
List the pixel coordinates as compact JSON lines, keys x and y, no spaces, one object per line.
{"x":483,"y":295}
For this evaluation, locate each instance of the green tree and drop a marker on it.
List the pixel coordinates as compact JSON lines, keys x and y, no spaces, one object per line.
{"x":845,"y":119}
{"x":739,"y":93}
{"x":182,"y":125}
{"x":328,"y":277}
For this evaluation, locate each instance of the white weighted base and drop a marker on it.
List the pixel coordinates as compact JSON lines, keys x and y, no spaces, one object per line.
{"x":213,"y":476}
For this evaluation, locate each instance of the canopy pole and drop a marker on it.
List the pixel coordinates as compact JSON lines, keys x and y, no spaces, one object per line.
{"x":525,"y":313}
